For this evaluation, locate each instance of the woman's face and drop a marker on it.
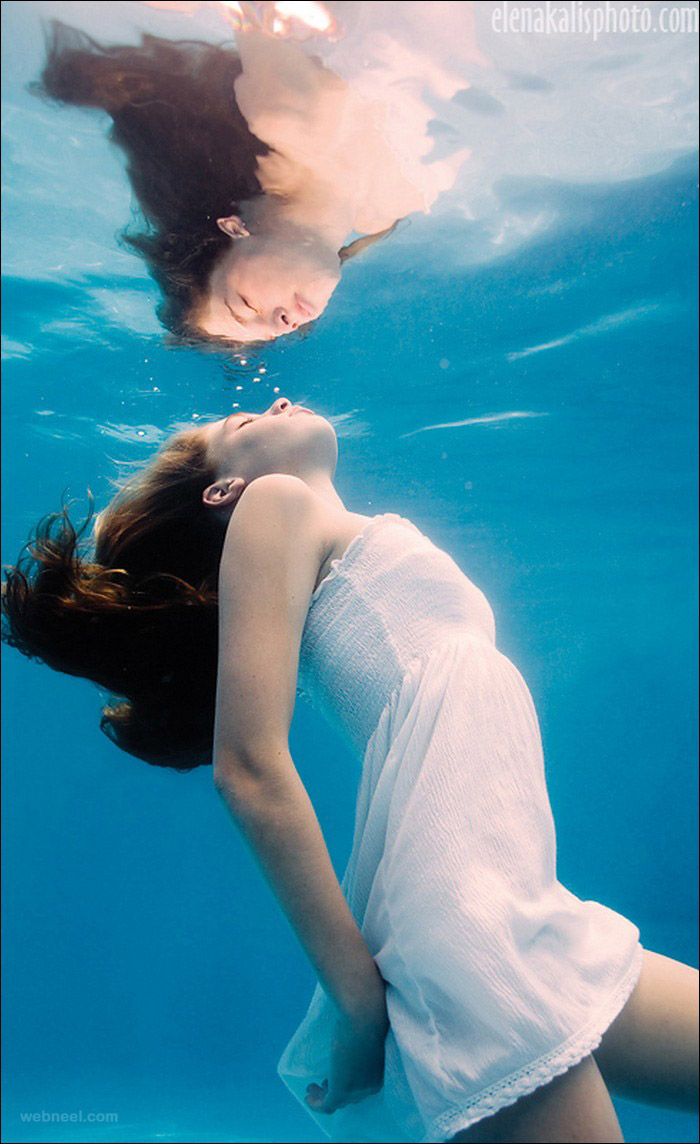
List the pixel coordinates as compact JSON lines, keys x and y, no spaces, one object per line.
{"x":265,"y":286}
{"x":286,"y":438}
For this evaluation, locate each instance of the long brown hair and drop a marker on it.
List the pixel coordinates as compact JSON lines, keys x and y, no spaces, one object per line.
{"x":132,"y":607}
{"x":190,"y":155}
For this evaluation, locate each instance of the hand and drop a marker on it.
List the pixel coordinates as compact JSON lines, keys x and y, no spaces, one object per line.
{"x":357,"y":1064}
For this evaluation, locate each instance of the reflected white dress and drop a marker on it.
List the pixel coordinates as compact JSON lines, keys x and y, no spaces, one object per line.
{"x":498,"y":977}
{"x":366,"y":138}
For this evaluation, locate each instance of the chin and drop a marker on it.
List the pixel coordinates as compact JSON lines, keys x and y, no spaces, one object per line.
{"x":319,"y":421}
{"x":320,"y":291}
{"x":319,"y":431}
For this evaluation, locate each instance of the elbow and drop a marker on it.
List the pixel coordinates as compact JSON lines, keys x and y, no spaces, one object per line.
{"x":246,"y":797}
{"x":229,"y":777}
{"x":242,"y":781}
{"x":240,"y":795}
{"x":222,"y":778}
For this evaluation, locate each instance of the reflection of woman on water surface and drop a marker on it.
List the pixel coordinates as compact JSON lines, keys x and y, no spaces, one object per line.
{"x":258,"y":170}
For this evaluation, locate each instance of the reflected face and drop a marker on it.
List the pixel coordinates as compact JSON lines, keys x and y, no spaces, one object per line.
{"x":264,"y":287}
{"x":286,"y":438}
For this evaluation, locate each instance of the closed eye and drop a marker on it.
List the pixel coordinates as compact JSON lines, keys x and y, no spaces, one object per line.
{"x":233,"y":314}
{"x":246,"y":422}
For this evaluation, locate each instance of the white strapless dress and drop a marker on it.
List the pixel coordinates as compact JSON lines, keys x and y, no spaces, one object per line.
{"x":498,"y":977}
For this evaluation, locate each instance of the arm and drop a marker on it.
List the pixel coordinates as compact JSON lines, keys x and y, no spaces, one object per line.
{"x":269,"y":565}
{"x":287,"y":97}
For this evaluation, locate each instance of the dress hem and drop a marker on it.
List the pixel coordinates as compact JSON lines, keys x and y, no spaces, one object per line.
{"x":540,"y":1072}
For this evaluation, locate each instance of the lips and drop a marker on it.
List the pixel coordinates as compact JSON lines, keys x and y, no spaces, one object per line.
{"x":305,"y":308}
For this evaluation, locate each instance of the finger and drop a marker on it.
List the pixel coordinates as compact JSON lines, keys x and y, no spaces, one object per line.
{"x":330,"y":1105}
{"x":320,"y":1106}
{"x":315,"y":1094}
{"x":319,"y":1099}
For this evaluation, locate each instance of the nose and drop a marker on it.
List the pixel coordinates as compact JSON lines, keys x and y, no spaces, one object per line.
{"x":281,"y":405}
{"x":282,"y":320}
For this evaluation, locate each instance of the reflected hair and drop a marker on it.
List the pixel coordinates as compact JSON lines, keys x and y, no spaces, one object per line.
{"x":190,"y":156}
{"x":131,"y":604}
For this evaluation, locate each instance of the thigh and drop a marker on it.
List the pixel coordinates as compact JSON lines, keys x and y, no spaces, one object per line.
{"x":650,"y":1052}
{"x":575,"y":1106}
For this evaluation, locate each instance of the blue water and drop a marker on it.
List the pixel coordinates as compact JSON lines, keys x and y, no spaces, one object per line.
{"x":148,"y":971}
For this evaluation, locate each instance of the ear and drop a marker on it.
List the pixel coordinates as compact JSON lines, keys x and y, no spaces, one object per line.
{"x":233,"y":226}
{"x":223,"y":494}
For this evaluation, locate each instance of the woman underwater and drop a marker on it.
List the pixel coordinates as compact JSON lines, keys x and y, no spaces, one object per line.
{"x":463,"y":992}
{"x":258,"y":171}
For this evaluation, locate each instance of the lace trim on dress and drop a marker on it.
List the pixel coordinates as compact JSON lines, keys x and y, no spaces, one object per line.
{"x":541,"y":1071}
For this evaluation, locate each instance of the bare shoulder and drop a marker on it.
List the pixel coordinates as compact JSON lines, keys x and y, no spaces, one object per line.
{"x":281,"y":516}
{"x":276,"y":489}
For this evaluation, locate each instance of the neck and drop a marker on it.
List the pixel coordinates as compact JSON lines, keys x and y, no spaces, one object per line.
{"x":322,"y":485}
{"x":310,"y":207}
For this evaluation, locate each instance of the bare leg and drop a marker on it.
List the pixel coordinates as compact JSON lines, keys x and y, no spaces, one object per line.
{"x":650,"y":1052}
{"x":573,"y":1107}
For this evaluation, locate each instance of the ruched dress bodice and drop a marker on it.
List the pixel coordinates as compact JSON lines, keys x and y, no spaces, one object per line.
{"x":392,"y":597}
